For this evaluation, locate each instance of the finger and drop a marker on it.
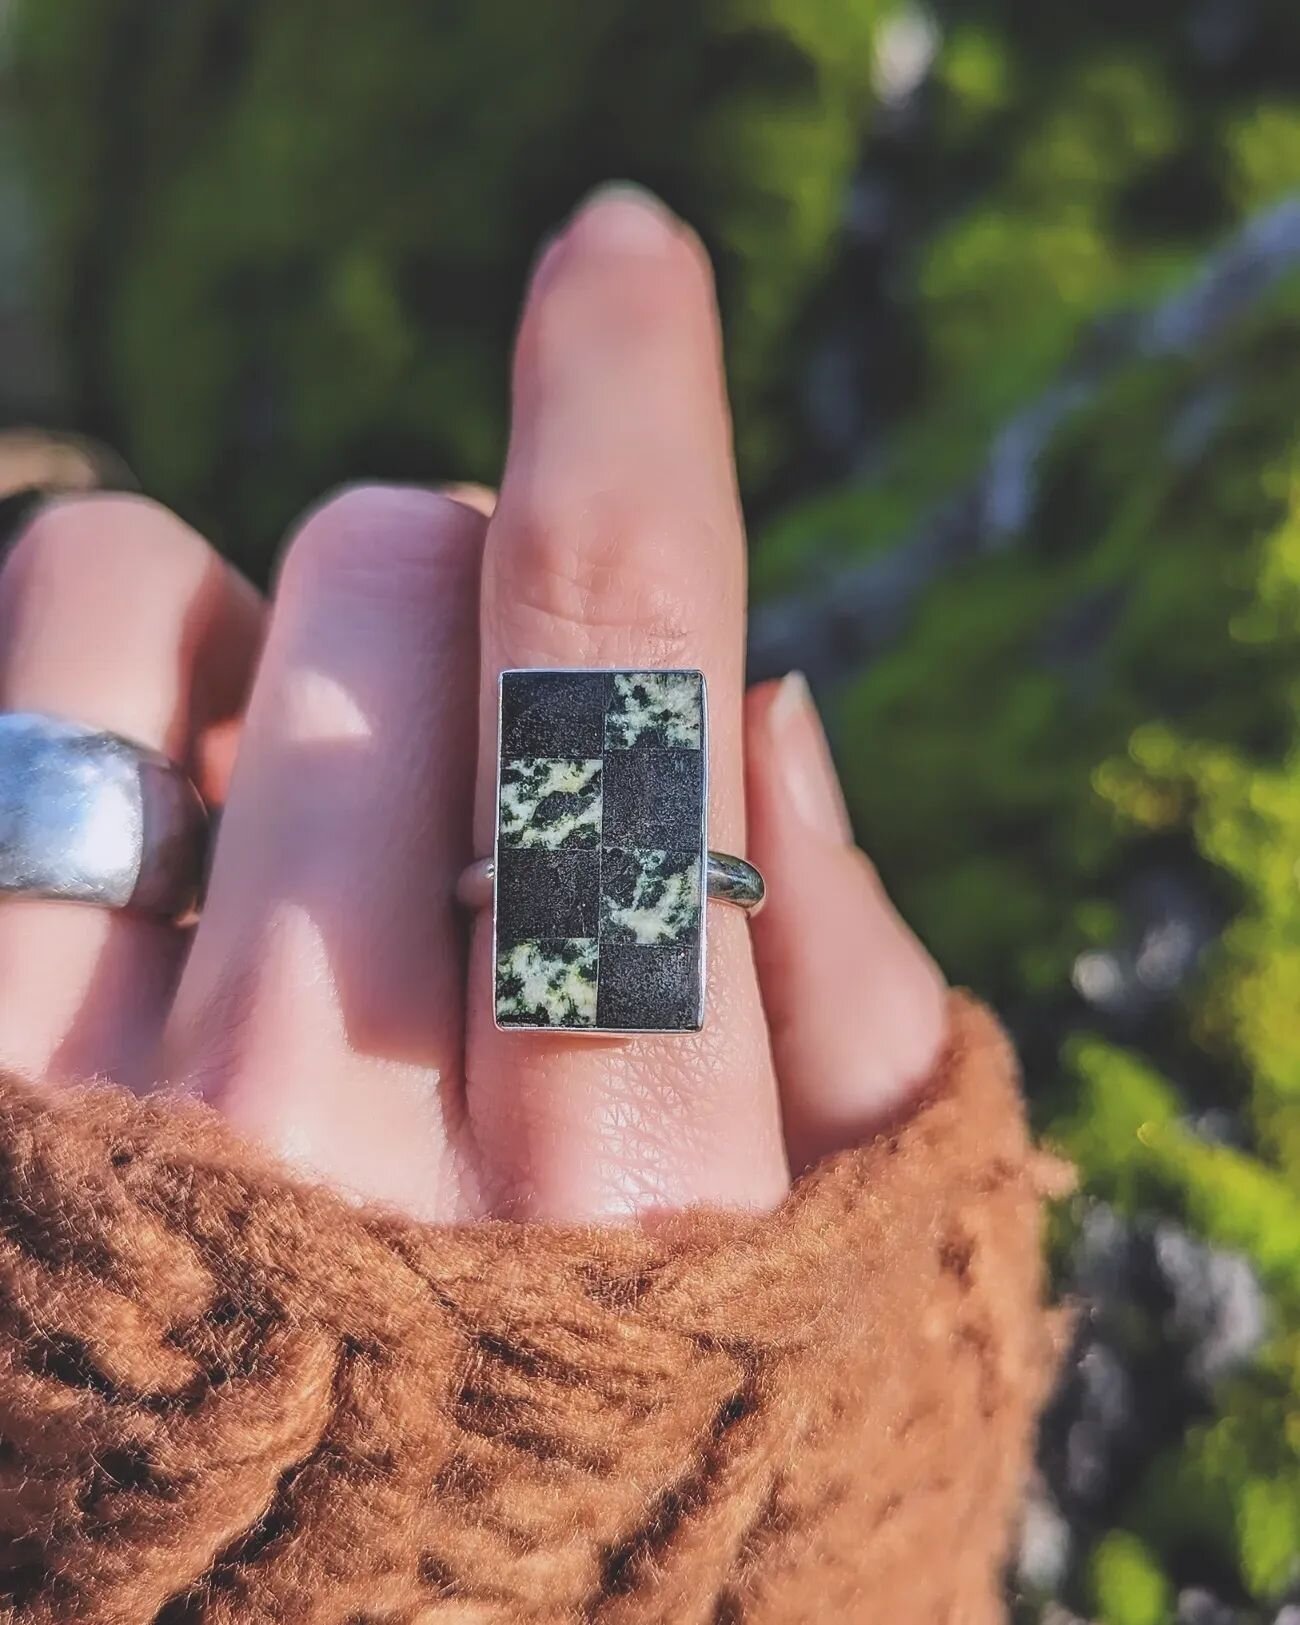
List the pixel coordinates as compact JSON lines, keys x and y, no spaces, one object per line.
{"x":113,"y":613}
{"x":322,"y":1006}
{"x":854,"y":1002}
{"x":479,"y":497}
{"x":617,"y":542}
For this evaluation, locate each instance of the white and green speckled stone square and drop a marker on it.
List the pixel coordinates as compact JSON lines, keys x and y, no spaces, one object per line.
{"x":551,"y":802}
{"x":649,"y":898}
{"x":547,"y":984}
{"x":599,"y":917}
{"x":655,"y":710}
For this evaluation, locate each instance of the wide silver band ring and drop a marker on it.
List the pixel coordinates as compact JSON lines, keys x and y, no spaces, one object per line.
{"x":729,"y":880}
{"x":89,"y":817}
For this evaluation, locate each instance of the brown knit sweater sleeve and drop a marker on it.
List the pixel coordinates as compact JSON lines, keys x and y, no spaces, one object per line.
{"x":227,"y":1396}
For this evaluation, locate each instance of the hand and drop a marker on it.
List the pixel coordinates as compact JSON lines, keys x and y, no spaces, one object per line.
{"x":326,"y":1002}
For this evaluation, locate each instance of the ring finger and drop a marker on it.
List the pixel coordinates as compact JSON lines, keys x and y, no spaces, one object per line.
{"x":115,"y":614}
{"x":617,"y":542}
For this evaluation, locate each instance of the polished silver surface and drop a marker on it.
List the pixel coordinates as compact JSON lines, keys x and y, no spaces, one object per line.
{"x":730,"y":880}
{"x":89,"y":817}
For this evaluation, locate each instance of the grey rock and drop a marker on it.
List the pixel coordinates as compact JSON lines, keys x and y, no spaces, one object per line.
{"x":1103,"y":1262}
{"x":1045,"y":1544}
{"x":1055,"y":1614}
{"x":1220,"y":29}
{"x":1168,"y":925}
{"x":1142,"y":1283}
{"x":1220,"y":1126}
{"x":1199,"y":1607}
{"x":1230,"y":281}
{"x":1214,"y":1307}
{"x":1219,"y":1311}
{"x":1103,"y":1425}
{"x":1008,"y":485}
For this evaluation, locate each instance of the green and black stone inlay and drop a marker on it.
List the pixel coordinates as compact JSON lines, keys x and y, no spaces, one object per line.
{"x":547,"y":894}
{"x":649,"y":897}
{"x":550,"y":802}
{"x":600,"y":851}
{"x":655,"y":710}
{"x":653,"y":799}
{"x":547,"y":984}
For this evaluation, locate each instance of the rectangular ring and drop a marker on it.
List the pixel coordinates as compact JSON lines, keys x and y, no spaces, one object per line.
{"x":599,"y":906}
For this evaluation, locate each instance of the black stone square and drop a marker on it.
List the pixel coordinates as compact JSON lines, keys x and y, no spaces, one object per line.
{"x":544,"y":894}
{"x":654,"y":798}
{"x":553,"y":713}
{"x":652,"y":989}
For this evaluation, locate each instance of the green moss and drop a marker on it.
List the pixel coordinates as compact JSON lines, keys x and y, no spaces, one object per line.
{"x":1002,"y":289}
{"x":1233,"y":1485}
{"x":1128,"y":1585}
{"x":1117,"y":1104}
{"x":1263,"y":151}
{"x":977,"y":74}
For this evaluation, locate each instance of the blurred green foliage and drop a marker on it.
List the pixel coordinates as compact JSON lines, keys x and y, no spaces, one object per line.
{"x":1119,"y":692}
{"x":1023,"y":673}
{"x":287,"y":241}
{"x":1073,"y":162}
{"x":1128,"y":1587}
{"x":1102,"y":702}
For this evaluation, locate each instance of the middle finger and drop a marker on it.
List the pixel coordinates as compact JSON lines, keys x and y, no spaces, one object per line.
{"x":322,"y":1005}
{"x":617,"y":542}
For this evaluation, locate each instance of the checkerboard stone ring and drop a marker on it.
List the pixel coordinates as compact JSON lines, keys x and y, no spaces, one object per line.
{"x":89,"y":817}
{"x":601,"y":864}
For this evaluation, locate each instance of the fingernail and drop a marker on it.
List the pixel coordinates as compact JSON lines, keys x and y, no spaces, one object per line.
{"x":623,"y":218}
{"x":803,"y":760}
{"x":470,"y":495}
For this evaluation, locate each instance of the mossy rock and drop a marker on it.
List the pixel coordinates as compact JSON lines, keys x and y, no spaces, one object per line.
{"x":1106,"y":706}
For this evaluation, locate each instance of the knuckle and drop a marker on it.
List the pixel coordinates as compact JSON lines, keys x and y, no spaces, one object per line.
{"x":600,"y":572}
{"x":337,"y":534}
{"x":120,"y":539}
{"x":378,"y":540}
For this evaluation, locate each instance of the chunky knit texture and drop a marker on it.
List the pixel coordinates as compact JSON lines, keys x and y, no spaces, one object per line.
{"x":228,"y":1396}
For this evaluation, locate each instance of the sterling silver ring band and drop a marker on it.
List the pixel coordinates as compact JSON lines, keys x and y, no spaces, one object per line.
{"x":729,"y":880}
{"x":89,"y":817}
